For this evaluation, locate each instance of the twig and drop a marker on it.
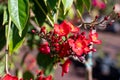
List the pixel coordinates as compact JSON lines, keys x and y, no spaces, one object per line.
{"x":7,"y":46}
{"x":35,"y":25}
{"x":6,"y":61}
{"x":44,"y":13}
{"x":57,"y":10}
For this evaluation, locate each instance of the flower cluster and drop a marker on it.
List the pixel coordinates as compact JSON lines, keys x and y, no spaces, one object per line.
{"x":40,"y":77}
{"x":66,"y":41}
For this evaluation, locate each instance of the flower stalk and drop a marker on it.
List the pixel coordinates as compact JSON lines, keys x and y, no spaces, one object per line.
{"x":7,"y":45}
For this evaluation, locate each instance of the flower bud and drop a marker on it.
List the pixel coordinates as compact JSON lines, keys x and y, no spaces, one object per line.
{"x":65,"y":66}
{"x":33,"y":31}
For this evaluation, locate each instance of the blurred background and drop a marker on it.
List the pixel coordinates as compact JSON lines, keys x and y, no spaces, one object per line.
{"x":106,"y":60}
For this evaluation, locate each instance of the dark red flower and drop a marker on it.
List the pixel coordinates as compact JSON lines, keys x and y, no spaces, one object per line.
{"x":44,"y":48}
{"x":9,"y":77}
{"x":65,"y":66}
{"x":57,"y":47}
{"x":43,"y":30}
{"x":65,"y":49}
{"x":94,"y":38}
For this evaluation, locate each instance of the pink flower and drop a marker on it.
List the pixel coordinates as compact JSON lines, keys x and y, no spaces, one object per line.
{"x":98,"y":3}
{"x":65,"y":50}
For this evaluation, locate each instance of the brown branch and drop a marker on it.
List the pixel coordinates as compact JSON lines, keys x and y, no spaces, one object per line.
{"x":35,"y":25}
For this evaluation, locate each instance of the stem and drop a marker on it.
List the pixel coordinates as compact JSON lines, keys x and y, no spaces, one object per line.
{"x":57,"y":10}
{"x":80,"y":16}
{"x":44,"y":13}
{"x":89,"y":66}
{"x":35,"y":25}
{"x":7,"y":46}
{"x":6,"y":62}
{"x":90,"y":74}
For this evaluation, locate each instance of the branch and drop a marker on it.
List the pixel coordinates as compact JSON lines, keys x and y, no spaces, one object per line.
{"x":7,"y":45}
{"x":44,"y":13}
{"x":35,"y":25}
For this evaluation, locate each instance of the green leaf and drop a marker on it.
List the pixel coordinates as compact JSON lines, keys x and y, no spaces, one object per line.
{"x":79,"y":6}
{"x":19,"y":13}
{"x":46,"y":62}
{"x":67,"y":5}
{"x":87,"y":3}
{"x":2,"y":67}
{"x":52,"y":3}
{"x":39,"y":7}
{"x":2,"y":64}
{"x":15,"y":41}
{"x":1,"y":8}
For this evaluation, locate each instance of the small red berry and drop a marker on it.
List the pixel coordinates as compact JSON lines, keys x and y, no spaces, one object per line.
{"x":106,"y":18}
{"x":96,"y":17}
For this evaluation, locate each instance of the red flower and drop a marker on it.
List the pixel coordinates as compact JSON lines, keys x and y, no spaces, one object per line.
{"x":71,"y":42}
{"x":73,"y":29}
{"x":65,"y":28}
{"x":44,"y":48}
{"x":65,"y":66}
{"x":79,"y":46}
{"x":9,"y":77}
{"x":94,"y":38}
{"x":86,"y":43}
{"x":57,"y":47}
